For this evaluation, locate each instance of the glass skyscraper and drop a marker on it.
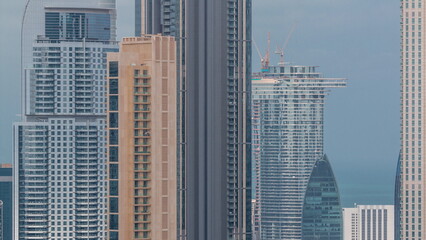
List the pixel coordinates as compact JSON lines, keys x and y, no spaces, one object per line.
{"x":60,"y":143}
{"x":397,"y":200}
{"x":288,"y":131}
{"x":7,"y":202}
{"x":322,"y":212}
{"x":213,"y":77}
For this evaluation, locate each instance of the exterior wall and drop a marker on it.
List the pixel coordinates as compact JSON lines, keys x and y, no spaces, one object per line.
{"x":139,"y":9}
{"x":375,"y":222}
{"x":66,"y":79}
{"x":61,"y":190}
{"x":255,"y":220}
{"x":350,"y":223}
{"x":156,"y":17}
{"x":218,"y":170}
{"x":288,"y":128}
{"x":412,"y":194}
{"x":59,"y":158}
{"x":6,"y":198}
{"x":33,"y":25}
{"x":147,"y":142}
{"x":1,"y":221}
{"x":322,"y":212}
{"x":214,"y":153}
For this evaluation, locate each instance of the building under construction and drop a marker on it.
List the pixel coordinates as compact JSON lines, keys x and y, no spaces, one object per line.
{"x":288,"y":143}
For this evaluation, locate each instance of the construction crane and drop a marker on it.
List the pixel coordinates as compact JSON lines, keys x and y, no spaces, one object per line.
{"x":264,"y":60}
{"x":280,"y":51}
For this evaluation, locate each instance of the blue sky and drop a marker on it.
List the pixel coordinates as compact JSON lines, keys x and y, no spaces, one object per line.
{"x":354,"y":39}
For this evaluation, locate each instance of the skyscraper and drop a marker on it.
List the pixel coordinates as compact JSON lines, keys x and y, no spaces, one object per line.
{"x":7,"y":201}
{"x":142,"y":139}
{"x":255,"y":220}
{"x":322,"y":212}
{"x":412,"y":206}
{"x":1,"y":220}
{"x":288,"y":140}
{"x":159,"y":16}
{"x":213,"y":71}
{"x":59,"y":158}
{"x":375,"y":222}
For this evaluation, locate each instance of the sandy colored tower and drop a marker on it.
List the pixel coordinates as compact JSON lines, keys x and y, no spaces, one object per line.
{"x":142,"y":139}
{"x":410,"y":204}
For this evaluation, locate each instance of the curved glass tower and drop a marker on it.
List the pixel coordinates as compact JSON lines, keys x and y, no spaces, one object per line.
{"x":322,"y":212}
{"x":288,"y":139}
{"x":60,"y":143}
{"x":397,"y":200}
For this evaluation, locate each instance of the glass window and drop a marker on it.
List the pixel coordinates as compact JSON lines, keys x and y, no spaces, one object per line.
{"x":113,"y":236}
{"x":113,"y":154}
{"x":113,"y":188}
{"x":113,"y":103}
{"x":113,"y":205}
{"x":113,"y":85}
{"x":113,"y":171}
{"x":113,"y":69}
{"x":113,"y":222}
{"x":113,"y":137}
{"x":68,"y":25}
{"x":113,"y":120}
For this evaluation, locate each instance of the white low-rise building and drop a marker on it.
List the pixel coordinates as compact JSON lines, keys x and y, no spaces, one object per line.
{"x":368,"y":222}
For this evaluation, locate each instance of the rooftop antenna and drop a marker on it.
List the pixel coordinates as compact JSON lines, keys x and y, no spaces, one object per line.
{"x":280,"y":51}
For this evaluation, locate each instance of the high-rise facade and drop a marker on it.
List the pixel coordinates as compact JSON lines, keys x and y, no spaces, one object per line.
{"x":255,"y":220}
{"x":6,"y":198}
{"x":142,"y":139}
{"x":322,"y":212}
{"x":213,"y":130}
{"x":149,"y":11}
{"x":160,"y":16}
{"x":1,"y":220}
{"x":288,"y":135}
{"x":411,"y":205}
{"x":60,"y":159}
{"x":374,"y":222}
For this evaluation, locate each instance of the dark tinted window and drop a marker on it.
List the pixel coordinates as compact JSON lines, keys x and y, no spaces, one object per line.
{"x":75,"y":26}
{"x":113,"y":154}
{"x":113,"y":84}
{"x":113,"y":222}
{"x":113,"y":103}
{"x":113,"y":205}
{"x":113,"y":171}
{"x":113,"y":137}
{"x":113,"y":69}
{"x":113,"y":236}
{"x":113,"y":120}
{"x":113,"y":188}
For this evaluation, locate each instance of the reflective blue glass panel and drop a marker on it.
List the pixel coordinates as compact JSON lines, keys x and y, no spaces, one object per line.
{"x":77,"y":26}
{"x":322,"y":212}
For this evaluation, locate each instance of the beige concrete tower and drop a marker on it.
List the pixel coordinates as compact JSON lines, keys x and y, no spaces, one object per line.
{"x":142,"y":139}
{"x":410,"y":201}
